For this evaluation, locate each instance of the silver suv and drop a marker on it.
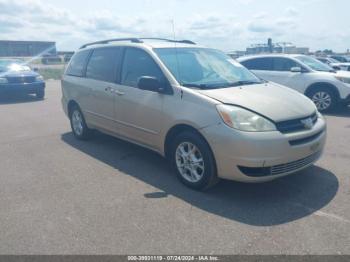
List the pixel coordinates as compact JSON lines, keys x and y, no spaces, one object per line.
{"x":195,"y":106}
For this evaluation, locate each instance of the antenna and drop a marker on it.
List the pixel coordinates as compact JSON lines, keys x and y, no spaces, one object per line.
{"x":176,"y":54}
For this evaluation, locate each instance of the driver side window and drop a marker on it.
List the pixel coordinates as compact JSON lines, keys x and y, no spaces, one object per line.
{"x":138,"y":63}
{"x":283,"y":64}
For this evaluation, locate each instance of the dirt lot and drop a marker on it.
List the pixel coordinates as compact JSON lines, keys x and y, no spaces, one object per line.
{"x":63,"y":196}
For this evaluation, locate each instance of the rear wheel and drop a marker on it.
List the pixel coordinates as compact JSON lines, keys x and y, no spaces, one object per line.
{"x":324,"y":98}
{"x":78,"y":124}
{"x":193,"y":161}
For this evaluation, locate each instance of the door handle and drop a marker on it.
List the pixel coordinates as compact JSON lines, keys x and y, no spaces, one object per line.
{"x":119,"y":93}
{"x":114,"y":91}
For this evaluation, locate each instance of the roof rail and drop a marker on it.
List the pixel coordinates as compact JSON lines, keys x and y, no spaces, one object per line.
{"x":133,"y":40}
{"x":137,"y":40}
{"x":169,"y":40}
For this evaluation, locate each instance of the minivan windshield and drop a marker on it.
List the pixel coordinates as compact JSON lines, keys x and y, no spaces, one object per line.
{"x":205,"y":68}
{"x":314,"y":64}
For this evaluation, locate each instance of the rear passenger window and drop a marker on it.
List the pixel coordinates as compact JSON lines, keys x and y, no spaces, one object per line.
{"x":258,"y":64}
{"x":138,"y":63}
{"x":77,"y":64}
{"x":283,"y":64}
{"x":103,"y":64}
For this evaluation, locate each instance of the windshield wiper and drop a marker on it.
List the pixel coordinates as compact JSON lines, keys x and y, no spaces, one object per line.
{"x":201,"y":86}
{"x":242,"y":83}
{"x":221,"y":85}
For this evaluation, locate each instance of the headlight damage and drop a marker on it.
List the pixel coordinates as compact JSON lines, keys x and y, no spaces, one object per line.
{"x":244,"y":120}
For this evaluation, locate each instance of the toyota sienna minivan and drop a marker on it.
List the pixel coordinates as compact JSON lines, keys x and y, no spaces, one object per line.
{"x":210,"y":116}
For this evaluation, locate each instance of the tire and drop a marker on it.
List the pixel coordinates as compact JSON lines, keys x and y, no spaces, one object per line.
{"x":40,"y":94}
{"x":78,"y":124}
{"x":203,"y":174}
{"x":324,"y":98}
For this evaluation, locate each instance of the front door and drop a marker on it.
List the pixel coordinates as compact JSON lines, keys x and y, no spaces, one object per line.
{"x":139,"y":112}
{"x":283,"y":75}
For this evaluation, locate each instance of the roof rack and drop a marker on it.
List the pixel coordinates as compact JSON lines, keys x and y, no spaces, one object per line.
{"x":137,"y":40}
{"x":133,"y":40}
{"x":169,"y":40}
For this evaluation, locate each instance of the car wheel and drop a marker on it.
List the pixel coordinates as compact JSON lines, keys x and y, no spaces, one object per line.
{"x":193,"y":161}
{"x":40,"y":94}
{"x":78,"y":124}
{"x":324,"y":99}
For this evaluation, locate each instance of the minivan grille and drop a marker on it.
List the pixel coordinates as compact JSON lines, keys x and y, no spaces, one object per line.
{"x":279,"y":169}
{"x":21,"y":79}
{"x":289,"y":167}
{"x":294,"y":125}
{"x":305,"y":140}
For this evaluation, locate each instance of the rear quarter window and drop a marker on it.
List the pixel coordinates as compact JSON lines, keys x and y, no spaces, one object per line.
{"x":77,"y":64}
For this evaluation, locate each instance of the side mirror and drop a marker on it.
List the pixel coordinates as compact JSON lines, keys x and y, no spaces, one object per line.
{"x":296,"y":69}
{"x":35,"y":69}
{"x":150,"y":83}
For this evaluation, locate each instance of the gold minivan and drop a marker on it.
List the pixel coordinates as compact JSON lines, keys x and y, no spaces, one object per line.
{"x":206,"y":113}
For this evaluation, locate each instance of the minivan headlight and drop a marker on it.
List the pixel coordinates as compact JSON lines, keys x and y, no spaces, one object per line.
{"x":39,"y":78}
{"x":244,"y":120}
{"x":3,"y":80}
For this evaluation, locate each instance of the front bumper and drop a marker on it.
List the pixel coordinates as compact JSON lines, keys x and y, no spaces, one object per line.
{"x":26,"y":88}
{"x":346,"y":101}
{"x":264,"y":156}
{"x":344,"y":92}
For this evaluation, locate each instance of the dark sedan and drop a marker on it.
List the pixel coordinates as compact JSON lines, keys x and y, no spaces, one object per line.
{"x":15,"y":77}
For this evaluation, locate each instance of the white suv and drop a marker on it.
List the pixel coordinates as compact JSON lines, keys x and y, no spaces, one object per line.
{"x":305,"y":74}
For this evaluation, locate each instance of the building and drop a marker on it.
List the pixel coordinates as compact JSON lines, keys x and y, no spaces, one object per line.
{"x":26,"y":48}
{"x":236,"y":54}
{"x":282,"y":47}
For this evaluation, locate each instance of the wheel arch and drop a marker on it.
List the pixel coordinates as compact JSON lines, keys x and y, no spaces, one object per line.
{"x":70,"y":106}
{"x":330,"y":86}
{"x":175,"y":131}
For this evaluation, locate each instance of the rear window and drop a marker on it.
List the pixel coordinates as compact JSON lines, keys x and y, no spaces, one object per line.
{"x":103,"y":64}
{"x":77,"y":64}
{"x":258,"y":64}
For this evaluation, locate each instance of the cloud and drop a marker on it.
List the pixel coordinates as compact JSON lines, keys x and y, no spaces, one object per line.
{"x":39,"y":20}
{"x":291,"y":11}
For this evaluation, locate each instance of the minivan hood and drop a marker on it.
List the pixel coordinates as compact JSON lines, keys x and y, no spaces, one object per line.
{"x":19,"y":73}
{"x":276,"y":102}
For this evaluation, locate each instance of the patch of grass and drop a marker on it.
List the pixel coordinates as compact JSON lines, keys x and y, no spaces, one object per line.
{"x":51,"y":73}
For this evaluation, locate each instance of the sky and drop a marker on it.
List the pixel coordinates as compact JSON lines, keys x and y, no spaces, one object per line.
{"x":224,"y":24}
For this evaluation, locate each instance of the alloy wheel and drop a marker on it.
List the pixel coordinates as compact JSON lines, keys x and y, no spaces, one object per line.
{"x":190,"y":162}
{"x":322,"y":100}
{"x":77,"y":123}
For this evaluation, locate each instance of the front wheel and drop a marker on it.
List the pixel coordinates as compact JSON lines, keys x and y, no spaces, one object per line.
{"x":324,"y":99}
{"x":193,"y":161}
{"x":78,"y":124}
{"x":40,"y":94}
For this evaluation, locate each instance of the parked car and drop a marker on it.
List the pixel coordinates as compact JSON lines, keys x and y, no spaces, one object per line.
{"x":335,"y":64}
{"x":211,"y":117}
{"x":16,"y":77}
{"x":321,"y":83}
{"x":51,"y":59}
{"x":340,"y":58}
